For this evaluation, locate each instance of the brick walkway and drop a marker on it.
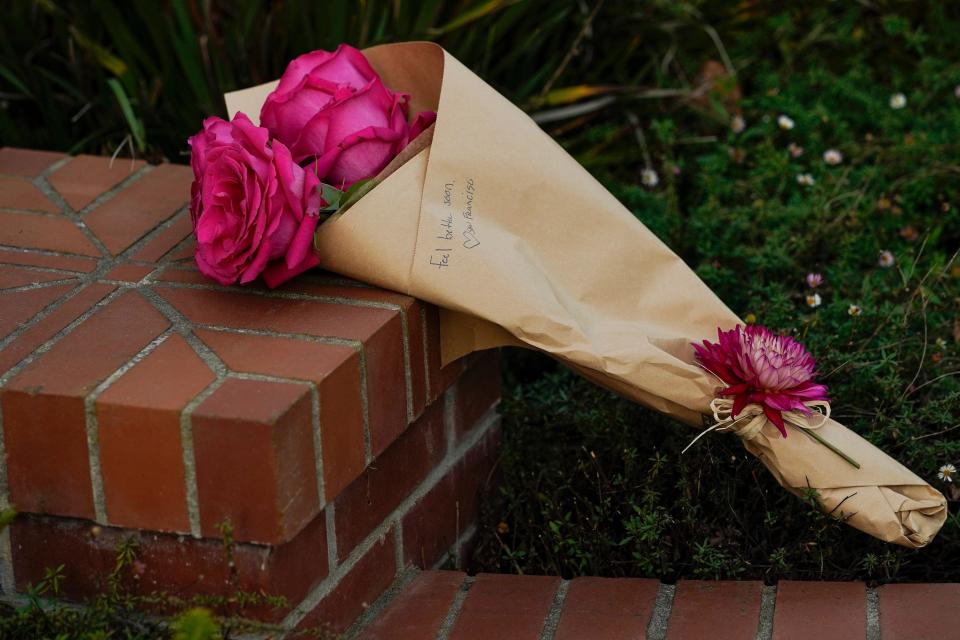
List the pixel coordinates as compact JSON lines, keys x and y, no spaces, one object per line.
{"x":449,"y":605}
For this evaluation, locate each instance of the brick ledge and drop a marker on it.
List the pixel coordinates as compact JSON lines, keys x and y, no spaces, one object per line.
{"x":100,"y":251}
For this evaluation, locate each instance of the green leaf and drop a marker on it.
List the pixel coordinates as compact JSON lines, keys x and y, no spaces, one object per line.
{"x":195,"y":624}
{"x":14,"y":80}
{"x":356,"y":191}
{"x":107,"y":60}
{"x":332,"y":196}
{"x":467,"y":17}
{"x":136,"y":126}
{"x":6,"y":517}
{"x":185,"y":42}
{"x":338,"y":201}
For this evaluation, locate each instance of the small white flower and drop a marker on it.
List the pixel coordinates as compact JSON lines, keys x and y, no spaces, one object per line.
{"x":795,"y":150}
{"x":814,"y":300}
{"x":947,"y":472}
{"x":956,"y":92}
{"x":898,"y":101}
{"x":785,"y":122}
{"x":886,"y":259}
{"x":649,"y":178}
{"x":738,"y":124}
{"x":941,"y":344}
{"x":832,"y":157}
{"x":805,"y":179}
{"x":854,"y":310}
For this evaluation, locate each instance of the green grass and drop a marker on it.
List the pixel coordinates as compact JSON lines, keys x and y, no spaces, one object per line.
{"x":97,"y":75}
{"x":594,"y":485}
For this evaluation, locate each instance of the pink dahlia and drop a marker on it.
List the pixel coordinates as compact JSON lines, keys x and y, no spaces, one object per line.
{"x":760,"y":367}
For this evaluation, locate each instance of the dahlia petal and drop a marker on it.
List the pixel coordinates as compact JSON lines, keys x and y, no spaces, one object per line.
{"x":739,"y":402}
{"x":774,"y":416}
{"x":736,"y":389}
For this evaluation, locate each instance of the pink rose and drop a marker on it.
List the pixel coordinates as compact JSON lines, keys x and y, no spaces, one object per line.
{"x":356,"y":134}
{"x":308,"y":84}
{"x":251,"y":204}
{"x":333,"y":110}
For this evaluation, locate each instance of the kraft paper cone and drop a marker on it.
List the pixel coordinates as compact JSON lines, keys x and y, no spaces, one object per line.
{"x":518,"y":244}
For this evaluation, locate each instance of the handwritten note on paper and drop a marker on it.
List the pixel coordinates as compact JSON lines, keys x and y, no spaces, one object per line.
{"x":457,"y":227}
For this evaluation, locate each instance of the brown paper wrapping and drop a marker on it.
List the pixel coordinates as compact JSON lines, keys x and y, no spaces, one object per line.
{"x":518,"y":244}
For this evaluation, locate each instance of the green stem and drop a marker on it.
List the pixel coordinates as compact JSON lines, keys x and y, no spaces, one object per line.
{"x":813,"y":434}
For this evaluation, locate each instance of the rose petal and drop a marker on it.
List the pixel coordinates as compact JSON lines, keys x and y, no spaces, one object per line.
{"x":278,"y":272}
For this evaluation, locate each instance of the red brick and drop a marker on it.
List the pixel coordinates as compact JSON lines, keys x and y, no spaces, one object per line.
{"x":720,"y":610}
{"x":440,"y":378}
{"x":419,"y":611}
{"x":43,"y":406}
{"x":95,"y":349}
{"x":410,"y":308}
{"x":323,"y":284}
{"x":464,"y":554}
{"x":436,"y":521}
{"x":66,"y":263}
{"x":40,"y":543}
{"x":822,"y":610}
{"x":128,"y":272}
{"x":357,"y":590}
{"x":293,"y":568}
{"x":919,"y":611}
{"x":160,"y":244}
{"x":135,"y":211}
{"x":84,"y":178}
{"x":11,"y":277}
{"x":178,"y":565}
{"x":378,"y":329}
{"x":19,"y":193}
{"x":186,"y":276}
{"x":183,"y":252}
{"x":26,"y":162}
{"x":433,"y":524}
{"x":284,"y":315}
{"x":607,"y":608}
{"x":18,"y":307}
{"x":386,"y":385}
{"x":390,"y":479}
{"x":505,"y":606}
{"x":59,"y":318}
{"x":141,"y":455}
{"x":52,"y":233}
{"x":477,"y":390}
{"x":336,"y":372}
{"x":416,"y":338}
{"x":253,"y":444}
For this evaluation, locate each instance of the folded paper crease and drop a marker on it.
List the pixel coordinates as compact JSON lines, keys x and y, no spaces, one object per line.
{"x":491,"y":220}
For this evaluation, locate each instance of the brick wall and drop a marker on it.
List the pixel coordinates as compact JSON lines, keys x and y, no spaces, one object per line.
{"x":139,"y":399}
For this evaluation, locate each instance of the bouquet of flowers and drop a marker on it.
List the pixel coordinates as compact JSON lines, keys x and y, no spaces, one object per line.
{"x":470,"y":206}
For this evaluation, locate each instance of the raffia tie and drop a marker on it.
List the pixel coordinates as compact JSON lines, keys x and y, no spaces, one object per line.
{"x":752,"y":419}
